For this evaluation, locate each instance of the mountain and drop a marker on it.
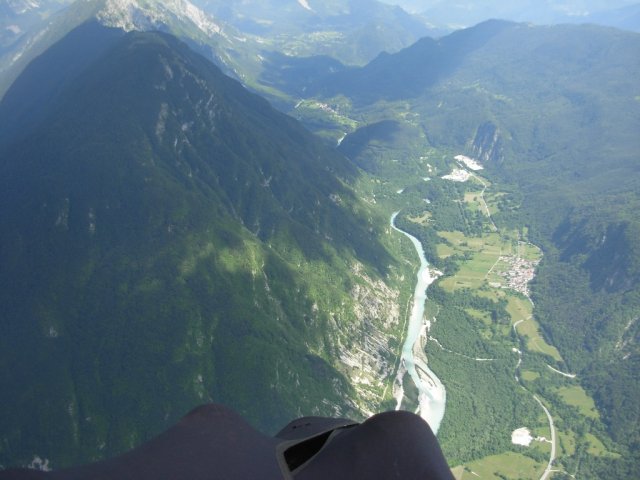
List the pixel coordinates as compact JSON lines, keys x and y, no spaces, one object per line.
{"x":219,"y":42}
{"x":352,"y":31}
{"x":167,"y":239}
{"x":553,"y":114}
{"x":461,"y":14}
{"x":251,"y":41}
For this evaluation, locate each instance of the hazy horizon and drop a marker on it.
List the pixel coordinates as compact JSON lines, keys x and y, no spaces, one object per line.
{"x":465,"y":13}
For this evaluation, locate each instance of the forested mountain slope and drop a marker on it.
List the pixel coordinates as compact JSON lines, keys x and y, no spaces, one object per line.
{"x":167,"y":239}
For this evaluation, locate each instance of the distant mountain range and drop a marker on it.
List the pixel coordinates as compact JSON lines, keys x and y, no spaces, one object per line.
{"x":246,"y":39}
{"x":621,"y":14}
{"x":352,"y":31}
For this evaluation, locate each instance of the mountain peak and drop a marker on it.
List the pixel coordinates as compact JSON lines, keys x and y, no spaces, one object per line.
{"x":151,"y":14}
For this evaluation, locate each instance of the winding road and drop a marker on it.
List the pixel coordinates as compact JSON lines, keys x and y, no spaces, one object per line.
{"x":552,"y":427}
{"x":552,"y":457}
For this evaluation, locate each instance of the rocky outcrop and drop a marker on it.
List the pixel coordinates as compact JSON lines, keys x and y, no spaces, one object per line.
{"x":487,"y":144}
{"x":365,"y":354}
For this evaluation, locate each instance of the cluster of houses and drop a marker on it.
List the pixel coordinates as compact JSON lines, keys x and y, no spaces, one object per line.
{"x":519,"y":273}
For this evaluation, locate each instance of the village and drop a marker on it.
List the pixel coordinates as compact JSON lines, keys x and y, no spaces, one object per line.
{"x":519,"y":273}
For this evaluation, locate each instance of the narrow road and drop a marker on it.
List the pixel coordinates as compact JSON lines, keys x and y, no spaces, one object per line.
{"x":552,"y":427}
{"x":568,"y":375}
{"x":486,"y":207}
{"x":552,"y":457}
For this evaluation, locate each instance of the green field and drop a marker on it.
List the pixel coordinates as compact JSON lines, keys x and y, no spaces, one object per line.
{"x":597,"y":448}
{"x":422,"y":219}
{"x":530,"y":376}
{"x":509,"y":465}
{"x":473,"y":200}
{"x":521,"y":309}
{"x":529,"y":251}
{"x":445,"y":251}
{"x":577,"y":397}
{"x":485,"y":252}
{"x":567,"y":443}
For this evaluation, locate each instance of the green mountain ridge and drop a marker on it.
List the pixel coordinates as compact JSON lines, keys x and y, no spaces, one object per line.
{"x":167,"y":239}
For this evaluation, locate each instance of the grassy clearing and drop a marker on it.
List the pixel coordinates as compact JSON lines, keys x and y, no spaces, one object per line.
{"x":521,"y":309}
{"x":535,"y":343}
{"x":543,"y":430}
{"x":490,"y":242}
{"x":529,"y":252}
{"x":472,"y":273}
{"x":577,"y":397}
{"x":421,"y":220}
{"x":567,"y":443}
{"x":597,"y":448}
{"x":480,"y":315}
{"x":445,"y":251}
{"x":543,"y":447}
{"x":473,"y":200}
{"x":509,"y":465}
{"x":494,"y":277}
{"x":530,"y":376}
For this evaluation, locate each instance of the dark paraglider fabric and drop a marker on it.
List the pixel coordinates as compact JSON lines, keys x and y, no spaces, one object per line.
{"x":213,"y":442}
{"x":391,"y":445}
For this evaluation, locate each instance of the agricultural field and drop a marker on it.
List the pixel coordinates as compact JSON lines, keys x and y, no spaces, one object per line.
{"x":498,"y":467}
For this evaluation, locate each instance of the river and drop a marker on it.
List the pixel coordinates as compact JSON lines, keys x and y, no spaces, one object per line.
{"x":431,"y":392}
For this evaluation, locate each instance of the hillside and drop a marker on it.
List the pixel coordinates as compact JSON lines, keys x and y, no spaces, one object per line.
{"x":167,"y":239}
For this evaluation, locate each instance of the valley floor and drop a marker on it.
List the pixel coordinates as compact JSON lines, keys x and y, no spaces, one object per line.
{"x":497,"y":265}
